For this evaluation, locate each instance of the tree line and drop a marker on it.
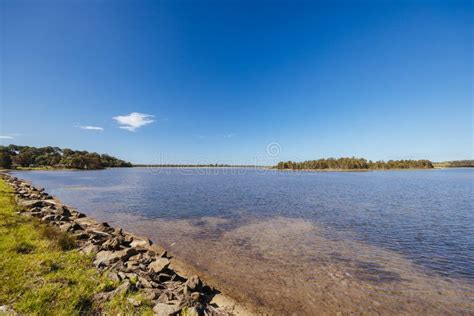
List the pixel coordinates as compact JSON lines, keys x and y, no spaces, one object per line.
{"x":456,"y":164}
{"x":14,"y":156}
{"x":353,"y":163}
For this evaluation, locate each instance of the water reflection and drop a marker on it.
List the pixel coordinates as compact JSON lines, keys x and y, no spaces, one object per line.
{"x":365,"y":242}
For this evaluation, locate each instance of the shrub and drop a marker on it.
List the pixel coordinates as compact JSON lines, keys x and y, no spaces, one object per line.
{"x":24,"y":247}
{"x":62,"y":239}
{"x":84,"y":305}
{"x":49,"y":266}
{"x":66,"y":242}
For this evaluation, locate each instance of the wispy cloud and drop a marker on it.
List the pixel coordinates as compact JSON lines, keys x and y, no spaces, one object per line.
{"x":230,"y":135}
{"x":91,"y":128}
{"x":6,"y":137}
{"x":133,"y":120}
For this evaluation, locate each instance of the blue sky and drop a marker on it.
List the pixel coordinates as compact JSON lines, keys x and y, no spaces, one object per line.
{"x":218,"y":81}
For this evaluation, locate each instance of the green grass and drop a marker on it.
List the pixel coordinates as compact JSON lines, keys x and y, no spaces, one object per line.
{"x":42,"y":273}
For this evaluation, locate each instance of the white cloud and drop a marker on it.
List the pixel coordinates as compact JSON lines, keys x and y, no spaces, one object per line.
{"x":91,"y":128}
{"x":133,"y":120}
{"x":6,"y":137}
{"x":229,"y":135}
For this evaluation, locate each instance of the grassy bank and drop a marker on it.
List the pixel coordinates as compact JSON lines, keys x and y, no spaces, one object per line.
{"x":42,"y":272}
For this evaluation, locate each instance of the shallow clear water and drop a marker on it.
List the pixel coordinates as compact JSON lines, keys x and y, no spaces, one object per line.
{"x":425,"y":217}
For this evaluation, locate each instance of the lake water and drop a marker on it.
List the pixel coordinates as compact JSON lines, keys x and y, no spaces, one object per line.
{"x":298,"y":242}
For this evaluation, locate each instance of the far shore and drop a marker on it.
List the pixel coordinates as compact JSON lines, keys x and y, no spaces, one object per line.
{"x":366,"y":170}
{"x":231,"y":167}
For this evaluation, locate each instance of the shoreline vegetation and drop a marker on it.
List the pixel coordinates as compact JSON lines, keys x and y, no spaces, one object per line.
{"x":361,"y":164}
{"x":54,"y":158}
{"x":333,"y":165}
{"x":455,"y":164}
{"x":56,"y":260}
{"x":45,"y":158}
{"x":354,"y":164}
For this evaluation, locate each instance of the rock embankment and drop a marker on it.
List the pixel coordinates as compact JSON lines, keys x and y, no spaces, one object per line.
{"x":131,"y":260}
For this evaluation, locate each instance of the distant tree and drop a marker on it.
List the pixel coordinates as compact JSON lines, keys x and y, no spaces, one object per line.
{"x":25,"y":156}
{"x":5,"y":159}
{"x":353,"y":163}
{"x":461,"y":163}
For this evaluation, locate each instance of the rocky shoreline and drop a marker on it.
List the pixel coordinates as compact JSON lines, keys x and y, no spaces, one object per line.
{"x":135,"y":262}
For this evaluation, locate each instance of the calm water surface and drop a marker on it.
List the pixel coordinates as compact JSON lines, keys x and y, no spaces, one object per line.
{"x":425,"y":217}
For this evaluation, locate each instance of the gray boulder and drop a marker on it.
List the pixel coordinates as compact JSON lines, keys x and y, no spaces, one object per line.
{"x":159,"y":265}
{"x":106,"y":258}
{"x":162,"y":309}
